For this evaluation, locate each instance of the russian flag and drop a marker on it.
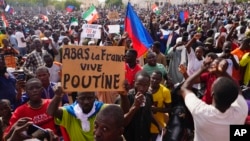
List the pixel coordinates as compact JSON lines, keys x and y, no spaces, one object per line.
{"x":183,"y":16}
{"x":11,"y":10}
{"x":70,"y":8}
{"x":141,"y":39}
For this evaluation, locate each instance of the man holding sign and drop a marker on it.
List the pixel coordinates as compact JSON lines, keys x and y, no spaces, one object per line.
{"x":92,"y":71}
{"x":78,"y":118}
{"x":93,"y":68}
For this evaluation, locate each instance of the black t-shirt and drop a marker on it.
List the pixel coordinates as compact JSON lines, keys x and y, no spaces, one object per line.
{"x":139,"y":127}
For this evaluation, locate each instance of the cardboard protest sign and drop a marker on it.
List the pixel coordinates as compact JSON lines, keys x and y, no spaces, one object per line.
{"x":91,"y":31}
{"x":10,"y":61}
{"x":113,"y":15}
{"x":93,"y":68}
{"x":114,"y":28}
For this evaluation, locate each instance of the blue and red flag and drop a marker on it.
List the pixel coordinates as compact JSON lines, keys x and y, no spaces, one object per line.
{"x":70,"y":8}
{"x":9,"y":9}
{"x":183,"y":16}
{"x":140,"y":37}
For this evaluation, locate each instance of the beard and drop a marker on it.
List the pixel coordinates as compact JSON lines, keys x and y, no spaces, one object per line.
{"x":3,"y":71}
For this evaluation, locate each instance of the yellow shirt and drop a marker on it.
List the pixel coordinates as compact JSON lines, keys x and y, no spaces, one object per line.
{"x":159,"y":98}
{"x":245,"y":61}
{"x":2,"y":36}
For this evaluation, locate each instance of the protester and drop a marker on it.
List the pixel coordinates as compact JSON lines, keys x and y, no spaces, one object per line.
{"x":48,"y":44}
{"x":245,"y":62}
{"x":42,"y":73}
{"x":19,"y":129}
{"x":177,"y":56}
{"x":77,"y":118}
{"x":13,"y":40}
{"x":109,"y":124}
{"x":161,"y":103}
{"x":54,"y":67}
{"x":131,"y":66}
{"x":34,"y":59}
{"x":7,"y":84}
{"x":152,"y":65}
{"x":35,"y":108}
{"x":137,"y":108}
{"x":160,"y":57}
{"x":216,"y":24}
{"x":5,"y":115}
{"x":21,"y":42}
{"x":233,"y":61}
{"x":226,"y":103}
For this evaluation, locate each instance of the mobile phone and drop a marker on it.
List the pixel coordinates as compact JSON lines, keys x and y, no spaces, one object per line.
{"x":21,"y":77}
{"x":38,"y":132}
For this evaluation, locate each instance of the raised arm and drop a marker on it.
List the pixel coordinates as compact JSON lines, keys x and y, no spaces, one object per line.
{"x":229,"y":36}
{"x":192,"y":41}
{"x":54,"y":109}
{"x":134,"y":108}
{"x":193,"y":79}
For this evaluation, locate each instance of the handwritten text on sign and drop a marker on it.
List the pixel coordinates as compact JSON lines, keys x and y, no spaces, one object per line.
{"x":91,"y":31}
{"x":93,"y":68}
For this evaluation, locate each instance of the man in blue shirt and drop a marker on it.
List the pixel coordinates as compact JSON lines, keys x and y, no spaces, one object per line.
{"x":7,"y":84}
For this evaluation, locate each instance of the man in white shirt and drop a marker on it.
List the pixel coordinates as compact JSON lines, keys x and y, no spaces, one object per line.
{"x":212,"y":122}
{"x":54,"y":68}
{"x":232,"y":60}
{"x":194,"y":59}
{"x":21,"y":43}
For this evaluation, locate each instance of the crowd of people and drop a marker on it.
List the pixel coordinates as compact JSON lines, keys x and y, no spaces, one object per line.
{"x":187,"y":86}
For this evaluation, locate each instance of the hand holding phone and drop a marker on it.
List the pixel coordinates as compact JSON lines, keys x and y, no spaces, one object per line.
{"x":38,"y":132}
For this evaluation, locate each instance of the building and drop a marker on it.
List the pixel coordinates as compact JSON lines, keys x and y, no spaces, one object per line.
{"x":87,"y":3}
{"x":149,"y":3}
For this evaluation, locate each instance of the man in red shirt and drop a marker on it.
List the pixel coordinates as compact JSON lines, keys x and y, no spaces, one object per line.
{"x":35,"y":108}
{"x":217,"y":68}
{"x":131,"y":66}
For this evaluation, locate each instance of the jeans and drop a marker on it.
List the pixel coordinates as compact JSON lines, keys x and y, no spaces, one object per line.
{"x":22,"y":51}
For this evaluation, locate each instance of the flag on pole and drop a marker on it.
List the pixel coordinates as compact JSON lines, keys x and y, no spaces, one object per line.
{"x":9,"y":9}
{"x":44,"y":17}
{"x":73,"y":21}
{"x":5,"y":21}
{"x":156,"y":9}
{"x":183,"y":16}
{"x":90,"y":15}
{"x":70,"y":8}
{"x":141,"y":39}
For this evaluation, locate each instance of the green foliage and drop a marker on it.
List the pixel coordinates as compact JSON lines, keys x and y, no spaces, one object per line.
{"x":28,"y":2}
{"x":241,"y":1}
{"x":59,"y":5}
{"x":113,"y":2}
{"x":72,"y":2}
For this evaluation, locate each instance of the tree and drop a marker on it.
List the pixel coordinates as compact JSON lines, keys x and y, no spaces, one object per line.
{"x":110,"y":3}
{"x":28,"y":2}
{"x":44,"y":2}
{"x":241,"y":1}
{"x":58,"y":4}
